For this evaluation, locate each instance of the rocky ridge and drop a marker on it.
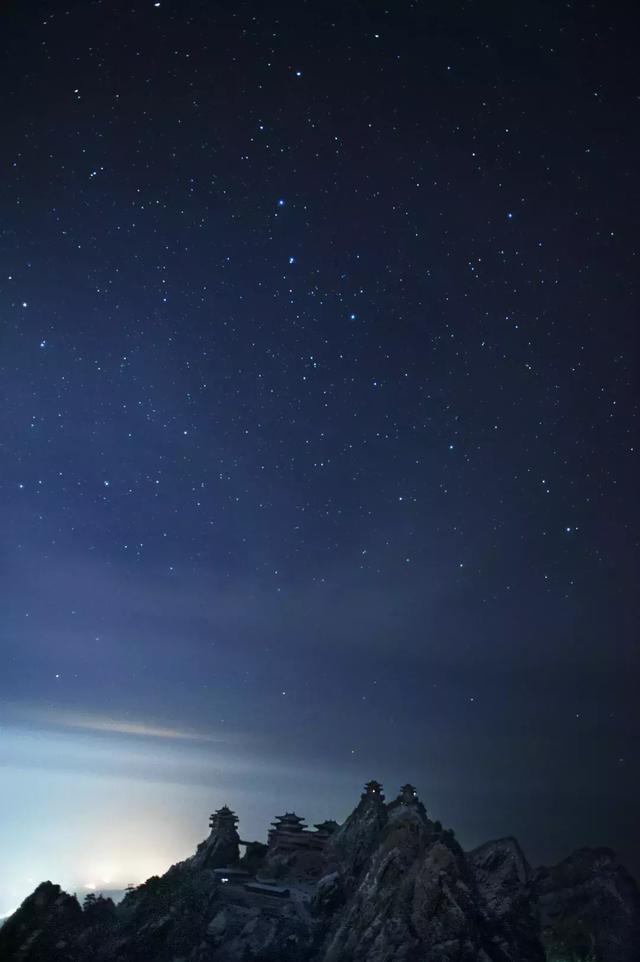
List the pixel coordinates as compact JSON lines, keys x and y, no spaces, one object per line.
{"x":388,"y":885}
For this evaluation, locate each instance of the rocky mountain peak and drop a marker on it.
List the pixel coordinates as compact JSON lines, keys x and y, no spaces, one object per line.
{"x":388,"y":885}
{"x":352,"y":843}
{"x":589,"y":907}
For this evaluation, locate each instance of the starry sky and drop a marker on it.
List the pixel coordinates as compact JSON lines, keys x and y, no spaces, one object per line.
{"x":319,"y":423}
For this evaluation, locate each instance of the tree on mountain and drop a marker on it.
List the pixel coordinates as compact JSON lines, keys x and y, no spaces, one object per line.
{"x":97,"y":909}
{"x":89,"y":901}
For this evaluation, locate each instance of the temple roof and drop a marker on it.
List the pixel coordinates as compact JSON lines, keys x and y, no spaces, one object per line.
{"x":289,"y":822}
{"x":223,"y":816}
{"x":327,"y":827}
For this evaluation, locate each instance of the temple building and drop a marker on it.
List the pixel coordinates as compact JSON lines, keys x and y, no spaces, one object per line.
{"x":224,"y":818}
{"x":408,"y":794}
{"x":374,"y":789}
{"x":326,"y":828}
{"x":408,"y":798}
{"x":289,"y":833}
{"x":222,"y":847}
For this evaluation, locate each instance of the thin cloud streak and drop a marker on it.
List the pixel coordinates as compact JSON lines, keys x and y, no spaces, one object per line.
{"x":84,"y":721}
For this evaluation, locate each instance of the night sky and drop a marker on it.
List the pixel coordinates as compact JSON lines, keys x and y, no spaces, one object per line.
{"x":319,"y":423}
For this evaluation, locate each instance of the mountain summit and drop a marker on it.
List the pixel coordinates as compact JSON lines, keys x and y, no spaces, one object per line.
{"x":388,"y":885}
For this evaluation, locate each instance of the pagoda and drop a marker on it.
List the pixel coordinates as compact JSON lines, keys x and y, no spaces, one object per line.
{"x":223,"y":820}
{"x":373,"y":789}
{"x":408,"y":798}
{"x":408,"y":794}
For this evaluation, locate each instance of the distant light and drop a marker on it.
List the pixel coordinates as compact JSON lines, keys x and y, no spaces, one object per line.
{"x":292,"y":260}
{"x":509,"y":216}
{"x":281,"y":202}
{"x":224,"y":879}
{"x":298,"y":73}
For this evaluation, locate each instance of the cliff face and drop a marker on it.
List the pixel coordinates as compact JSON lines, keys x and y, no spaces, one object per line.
{"x":589,"y":906}
{"x":411,"y":899}
{"x":417,"y":896}
{"x":351,"y":845}
{"x":504,"y":882}
{"x":395,"y":887}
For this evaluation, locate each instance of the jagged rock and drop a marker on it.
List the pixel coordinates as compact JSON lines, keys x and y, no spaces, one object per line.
{"x":444,"y":914}
{"x":504,"y":881}
{"x":43,"y":929}
{"x":590,"y":908}
{"x":416,"y":900}
{"x":375,"y":921}
{"x":329,"y":896}
{"x":352,"y":843}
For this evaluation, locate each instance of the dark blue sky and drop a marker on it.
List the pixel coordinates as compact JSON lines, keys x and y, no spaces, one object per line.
{"x":319,"y":418}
